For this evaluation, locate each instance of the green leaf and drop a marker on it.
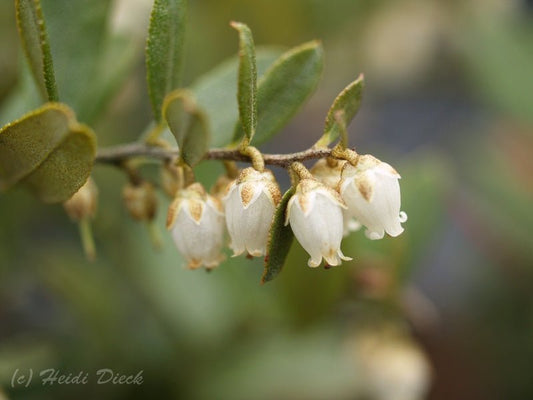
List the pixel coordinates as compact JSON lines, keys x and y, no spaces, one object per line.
{"x":118,"y":58}
{"x":94,"y":59}
{"x":216,"y":93}
{"x":280,"y":240}
{"x":78,"y":34}
{"x":32,"y":30}
{"x":164,"y":50}
{"x":345,"y":106}
{"x":247,"y":82}
{"x":67,"y":168}
{"x":284,"y":88}
{"x":48,"y":150}
{"x":25,"y":143}
{"x":188,"y":124}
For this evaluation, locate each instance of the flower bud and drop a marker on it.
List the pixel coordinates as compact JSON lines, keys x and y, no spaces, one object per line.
{"x":172,"y":178}
{"x":328,"y":172}
{"x":196,"y":221}
{"x":140,"y":201}
{"x":315,"y":215}
{"x":221,"y":187}
{"x":372,"y":193}
{"x":83,"y":203}
{"x":250,"y":204}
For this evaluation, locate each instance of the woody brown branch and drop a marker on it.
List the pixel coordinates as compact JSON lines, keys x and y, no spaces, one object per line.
{"x":118,"y":154}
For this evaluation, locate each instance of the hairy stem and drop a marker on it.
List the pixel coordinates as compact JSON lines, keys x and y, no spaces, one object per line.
{"x":118,"y":154}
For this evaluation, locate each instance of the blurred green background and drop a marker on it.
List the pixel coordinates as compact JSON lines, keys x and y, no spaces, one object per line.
{"x":445,"y":311}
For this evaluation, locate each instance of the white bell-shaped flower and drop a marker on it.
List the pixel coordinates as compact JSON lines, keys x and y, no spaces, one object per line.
{"x":372,"y":193}
{"x":315,"y":215}
{"x":328,"y":171}
{"x":196,"y":221}
{"x":250,"y":204}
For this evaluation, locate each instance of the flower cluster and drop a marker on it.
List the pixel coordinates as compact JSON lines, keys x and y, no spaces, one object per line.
{"x":332,"y":199}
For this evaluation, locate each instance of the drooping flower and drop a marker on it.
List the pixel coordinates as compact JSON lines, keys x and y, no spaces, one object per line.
{"x":83,"y":203}
{"x":372,"y":193}
{"x":328,"y":171}
{"x":140,"y":201}
{"x":172,"y":178}
{"x":250,"y":204}
{"x":315,"y":215}
{"x":196,"y":221}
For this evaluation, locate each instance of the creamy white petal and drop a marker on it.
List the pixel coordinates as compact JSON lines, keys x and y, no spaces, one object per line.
{"x":319,"y":230}
{"x":304,"y":234}
{"x":372,"y":194}
{"x":350,"y":224}
{"x":234,"y":210}
{"x":200,"y":242}
{"x":250,"y":206}
{"x":256,"y":222}
{"x":329,"y":175}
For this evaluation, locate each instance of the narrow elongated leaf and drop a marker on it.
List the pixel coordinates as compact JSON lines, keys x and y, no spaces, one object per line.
{"x":284,"y":88}
{"x":66,"y":169}
{"x":164,"y":50}
{"x":247,"y":82}
{"x":347,"y":103}
{"x":216,"y":93}
{"x":27,"y":142}
{"x":188,"y":124}
{"x":279,"y":241}
{"x":32,"y":30}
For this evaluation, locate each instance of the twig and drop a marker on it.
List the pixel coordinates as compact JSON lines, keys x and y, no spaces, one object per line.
{"x":118,"y":154}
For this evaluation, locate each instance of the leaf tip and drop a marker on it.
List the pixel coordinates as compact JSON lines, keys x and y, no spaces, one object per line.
{"x":317,"y":43}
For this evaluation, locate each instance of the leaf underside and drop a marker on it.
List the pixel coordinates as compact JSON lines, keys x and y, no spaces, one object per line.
{"x":49,"y":151}
{"x":188,"y":124}
{"x":247,"y":80}
{"x":164,"y":50}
